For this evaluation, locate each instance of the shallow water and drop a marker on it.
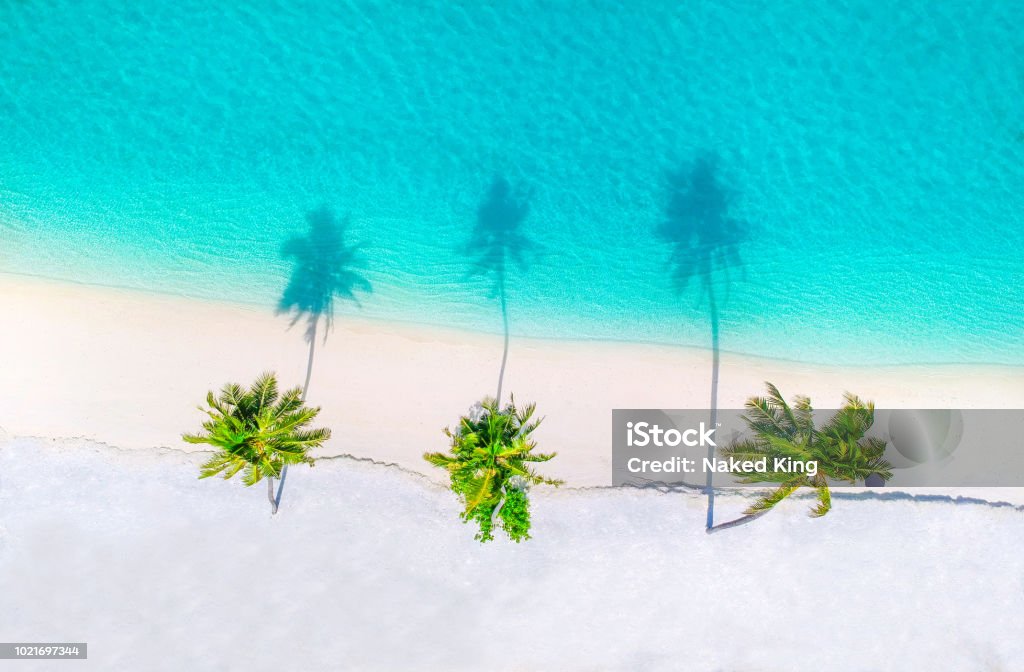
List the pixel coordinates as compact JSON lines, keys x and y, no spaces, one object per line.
{"x":844,"y":180}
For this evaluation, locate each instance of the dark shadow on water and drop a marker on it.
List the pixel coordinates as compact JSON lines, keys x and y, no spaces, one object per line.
{"x":704,"y":242}
{"x":497,"y":244}
{"x":325,"y":270}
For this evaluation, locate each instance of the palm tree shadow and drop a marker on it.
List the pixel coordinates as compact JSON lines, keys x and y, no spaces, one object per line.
{"x":704,"y":240}
{"x":498,"y":243}
{"x":325,"y":270}
{"x":704,"y":243}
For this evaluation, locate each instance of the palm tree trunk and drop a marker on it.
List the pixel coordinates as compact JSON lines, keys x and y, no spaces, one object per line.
{"x":713,"y":306}
{"x":270,"y":494}
{"x":504,"y":319}
{"x":311,"y":333}
{"x":497,"y":509}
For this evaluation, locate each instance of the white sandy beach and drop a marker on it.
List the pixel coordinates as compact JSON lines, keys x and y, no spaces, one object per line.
{"x":129,"y":369}
{"x":108,"y":537}
{"x":368,"y":568}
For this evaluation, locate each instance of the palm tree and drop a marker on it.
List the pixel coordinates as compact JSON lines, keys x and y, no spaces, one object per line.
{"x":257,"y":432}
{"x":489,"y":467}
{"x":839,"y":447}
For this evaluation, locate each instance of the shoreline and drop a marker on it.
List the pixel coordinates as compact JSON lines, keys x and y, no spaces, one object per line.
{"x":734,"y":499}
{"x":15,"y":278}
{"x":128,"y":368}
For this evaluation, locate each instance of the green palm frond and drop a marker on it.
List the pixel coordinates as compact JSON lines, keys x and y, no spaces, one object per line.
{"x":824,"y":499}
{"x":264,"y":391}
{"x":257,"y":431}
{"x":216,"y":464}
{"x":767,"y":502}
{"x":802,"y":414}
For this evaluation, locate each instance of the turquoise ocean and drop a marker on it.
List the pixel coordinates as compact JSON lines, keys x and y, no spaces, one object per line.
{"x":844,"y":180}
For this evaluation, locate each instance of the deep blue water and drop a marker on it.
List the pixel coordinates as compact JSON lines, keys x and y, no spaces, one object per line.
{"x":843,"y":182}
